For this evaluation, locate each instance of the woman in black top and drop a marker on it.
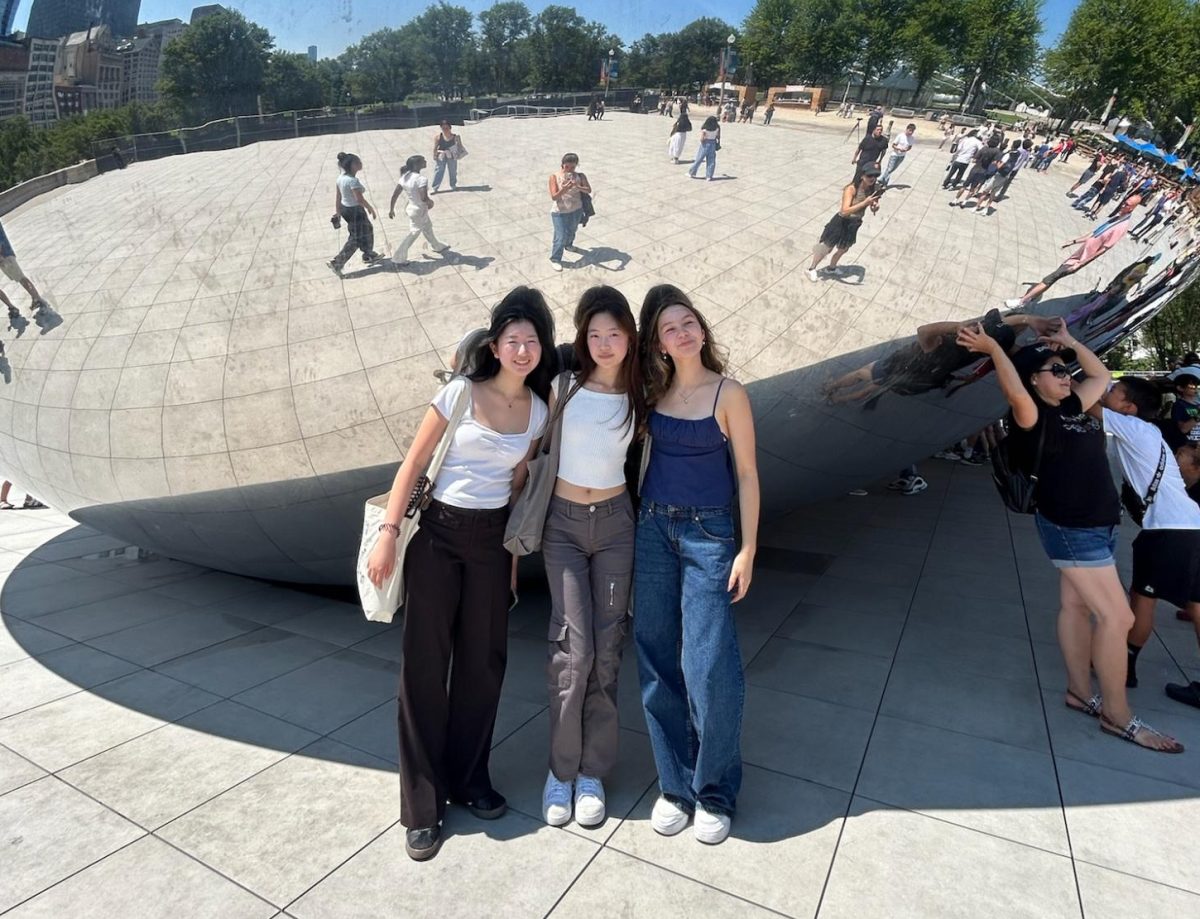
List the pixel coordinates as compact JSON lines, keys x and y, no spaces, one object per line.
{"x":1077,"y":515}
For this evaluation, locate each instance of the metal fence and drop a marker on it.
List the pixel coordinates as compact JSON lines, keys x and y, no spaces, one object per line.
{"x":227,"y":133}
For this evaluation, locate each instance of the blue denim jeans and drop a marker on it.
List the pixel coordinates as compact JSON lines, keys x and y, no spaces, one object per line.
{"x":439,"y":170}
{"x":688,"y":659}
{"x":706,"y":153}
{"x":565,"y":226}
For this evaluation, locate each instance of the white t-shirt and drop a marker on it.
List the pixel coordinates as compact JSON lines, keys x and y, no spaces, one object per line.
{"x":967,"y":148}
{"x":1139,"y":447}
{"x":595,"y":439}
{"x":902,"y":143}
{"x":347,"y":184}
{"x":411,"y":182}
{"x":477,"y":473}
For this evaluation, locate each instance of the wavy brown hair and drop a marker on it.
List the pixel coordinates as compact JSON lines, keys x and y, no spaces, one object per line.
{"x":597,"y":301}
{"x":657,"y":369}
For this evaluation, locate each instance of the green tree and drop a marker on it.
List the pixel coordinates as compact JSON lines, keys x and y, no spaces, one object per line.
{"x":646,"y":62}
{"x":334,"y":76}
{"x":292,"y":83}
{"x":382,"y":67}
{"x":765,"y":37}
{"x":565,"y":50}
{"x":503,"y":33}
{"x":878,"y":29}
{"x":693,"y":53}
{"x":445,"y":40}
{"x":817,"y":40}
{"x":1001,"y":42}
{"x":215,"y":68}
{"x":932,"y":37}
{"x":1175,"y":330}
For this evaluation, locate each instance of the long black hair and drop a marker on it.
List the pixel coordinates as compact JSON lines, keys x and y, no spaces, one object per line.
{"x":412,"y":164}
{"x":521,"y":304}
{"x":604,"y":300}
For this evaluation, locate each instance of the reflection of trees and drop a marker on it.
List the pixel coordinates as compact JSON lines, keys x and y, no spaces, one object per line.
{"x":1175,"y":330}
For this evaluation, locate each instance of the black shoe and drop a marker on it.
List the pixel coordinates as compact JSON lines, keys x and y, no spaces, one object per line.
{"x":423,"y":844}
{"x":490,"y":805}
{"x":1187,"y":693}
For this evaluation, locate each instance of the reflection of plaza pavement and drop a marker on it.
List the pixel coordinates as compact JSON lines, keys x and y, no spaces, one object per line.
{"x":178,"y":742}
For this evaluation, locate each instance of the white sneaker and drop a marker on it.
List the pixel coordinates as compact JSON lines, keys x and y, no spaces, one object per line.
{"x":589,"y":801}
{"x":668,"y":818}
{"x":557,"y":266}
{"x":1013,"y":302}
{"x":915,"y":486}
{"x":711,"y":828}
{"x":556,"y":801}
{"x":812,"y":274}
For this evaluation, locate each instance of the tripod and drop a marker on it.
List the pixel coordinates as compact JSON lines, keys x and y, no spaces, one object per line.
{"x":856,"y":131}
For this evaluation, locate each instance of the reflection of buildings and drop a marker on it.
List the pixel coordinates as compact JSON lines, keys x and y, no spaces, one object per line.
{"x":312,"y":53}
{"x":56,"y":18}
{"x":14,"y":68}
{"x":39,"y":81}
{"x":203,"y":12}
{"x":87,"y":74}
{"x":8,"y":12}
{"x":142,"y":59}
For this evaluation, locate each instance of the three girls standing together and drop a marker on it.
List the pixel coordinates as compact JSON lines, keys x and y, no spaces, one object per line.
{"x":679,"y":552}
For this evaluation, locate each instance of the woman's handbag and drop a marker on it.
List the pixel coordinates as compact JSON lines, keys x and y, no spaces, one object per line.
{"x":458,"y":151}
{"x":1018,"y":488}
{"x":527,"y":520}
{"x":380,"y":603}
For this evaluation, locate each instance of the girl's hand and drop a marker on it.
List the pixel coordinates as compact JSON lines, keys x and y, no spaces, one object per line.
{"x":383,"y":559}
{"x":512,"y":581}
{"x":1059,"y":336}
{"x":740,"y":574}
{"x":973,"y":338}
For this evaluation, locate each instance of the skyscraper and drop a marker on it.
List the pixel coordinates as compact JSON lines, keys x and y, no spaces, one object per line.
{"x":56,"y":18}
{"x":8,"y":12}
{"x":312,"y":53}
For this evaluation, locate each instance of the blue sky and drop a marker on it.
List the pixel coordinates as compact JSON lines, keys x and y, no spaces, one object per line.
{"x":334,"y":24}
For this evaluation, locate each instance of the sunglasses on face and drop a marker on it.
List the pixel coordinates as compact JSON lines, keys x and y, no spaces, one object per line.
{"x":1059,"y":370}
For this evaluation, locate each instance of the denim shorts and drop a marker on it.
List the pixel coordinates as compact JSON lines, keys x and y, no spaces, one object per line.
{"x":1078,"y":547}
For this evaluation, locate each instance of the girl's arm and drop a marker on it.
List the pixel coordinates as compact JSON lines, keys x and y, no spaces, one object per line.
{"x":1097,"y":376}
{"x":337,"y":201}
{"x":395,"y":198}
{"x":1024,"y":409}
{"x":416,"y":461}
{"x":361,"y":199}
{"x":555,"y":191}
{"x":739,"y":427}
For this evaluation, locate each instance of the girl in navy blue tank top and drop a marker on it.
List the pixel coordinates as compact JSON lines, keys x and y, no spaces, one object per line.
{"x":688,"y":570}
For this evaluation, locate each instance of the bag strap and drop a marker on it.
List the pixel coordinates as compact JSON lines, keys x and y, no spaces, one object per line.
{"x":554,"y":426}
{"x":1158,"y":474}
{"x":443,"y":447}
{"x":1037,"y":456}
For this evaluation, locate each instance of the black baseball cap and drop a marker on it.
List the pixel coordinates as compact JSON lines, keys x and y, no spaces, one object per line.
{"x":871,"y":169}
{"x":1032,"y":357}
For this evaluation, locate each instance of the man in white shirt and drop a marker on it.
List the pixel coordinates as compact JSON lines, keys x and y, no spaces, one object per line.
{"x":1166,"y":553}
{"x":967,"y":148}
{"x":901,"y":144}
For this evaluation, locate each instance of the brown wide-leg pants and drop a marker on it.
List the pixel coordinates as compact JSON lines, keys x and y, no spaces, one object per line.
{"x":588,"y":549}
{"x":457,"y":584}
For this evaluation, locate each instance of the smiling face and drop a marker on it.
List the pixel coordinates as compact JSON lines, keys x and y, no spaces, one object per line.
{"x":517,"y":348}
{"x":679,"y":332}
{"x":607,"y":342}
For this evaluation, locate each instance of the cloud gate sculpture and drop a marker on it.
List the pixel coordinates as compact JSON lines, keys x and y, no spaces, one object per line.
{"x":215,"y":393}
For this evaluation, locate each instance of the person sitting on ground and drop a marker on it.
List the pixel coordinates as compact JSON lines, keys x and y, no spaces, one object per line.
{"x":1166,"y":553}
{"x":1077,"y":515}
{"x":1091,"y":247}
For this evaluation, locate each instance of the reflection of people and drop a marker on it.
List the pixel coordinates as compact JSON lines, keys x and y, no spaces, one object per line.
{"x":353,"y":207}
{"x":566,"y":189}
{"x":961,"y":158}
{"x":31,"y":503}
{"x":446,"y":150}
{"x":588,"y":548}
{"x":1091,"y":247}
{"x":930,"y":362}
{"x":688,"y":570}
{"x":459,"y":575}
{"x":1166,"y":553}
{"x":417,"y":209}
{"x":841,"y":232}
{"x":8,"y":264}
{"x":1077,"y":515}
{"x":901,"y":145}
{"x":868,"y":153}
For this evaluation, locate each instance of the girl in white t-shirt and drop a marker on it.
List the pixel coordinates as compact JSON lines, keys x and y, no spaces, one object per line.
{"x":350,"y":205}
{"x":588,"y":549}
{"x":458,"y":575}
{"x":417,"y":209}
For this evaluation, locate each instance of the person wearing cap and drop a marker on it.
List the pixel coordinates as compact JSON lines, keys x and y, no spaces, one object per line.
{"x":842,"y":230}
{"x":1091,"y":247}
{"x":1077,"y":513}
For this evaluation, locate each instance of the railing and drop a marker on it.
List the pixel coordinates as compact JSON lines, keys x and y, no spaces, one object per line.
{"x":526,"y":111}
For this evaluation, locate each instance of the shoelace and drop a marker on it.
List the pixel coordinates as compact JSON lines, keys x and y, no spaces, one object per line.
{"x":559,"y":793}
{"x":587,"y":786}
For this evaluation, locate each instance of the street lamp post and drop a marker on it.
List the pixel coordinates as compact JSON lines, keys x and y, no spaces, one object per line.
{"x":724,"y":63}
{"x":970,"y":92}
{"x":608,"y":72}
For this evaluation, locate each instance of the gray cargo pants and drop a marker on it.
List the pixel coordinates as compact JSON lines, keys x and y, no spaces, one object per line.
{"x":588,"y":550}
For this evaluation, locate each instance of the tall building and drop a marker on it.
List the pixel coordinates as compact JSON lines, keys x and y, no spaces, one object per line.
{"x":203,"y":12}
{"x":88,"y":73}
{"x":8,"y":12}
{"x":142,"y":59}
{"x":39,"y":81}
{"x":56,"y":18}
{"x":14,"y":69}
{"x":312,"y":53}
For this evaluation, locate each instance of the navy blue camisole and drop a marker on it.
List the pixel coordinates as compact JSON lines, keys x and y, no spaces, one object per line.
{"x":689,"y":461}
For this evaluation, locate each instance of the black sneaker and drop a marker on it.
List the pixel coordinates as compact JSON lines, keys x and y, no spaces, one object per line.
{"x":337,"y":269}
{"x":488,"y":806}
{"x":1187,"y":693}
{"x":423,"y":844}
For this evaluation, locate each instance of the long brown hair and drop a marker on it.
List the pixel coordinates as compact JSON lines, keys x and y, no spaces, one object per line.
{"x":658,"y":369}
{"x":597,"y":301}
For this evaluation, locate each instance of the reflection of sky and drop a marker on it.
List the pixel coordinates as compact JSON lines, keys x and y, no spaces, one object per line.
{"x":333,"y":25}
